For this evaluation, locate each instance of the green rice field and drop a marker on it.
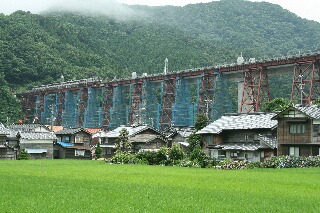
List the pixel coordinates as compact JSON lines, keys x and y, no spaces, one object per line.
{"x":94,"y":186}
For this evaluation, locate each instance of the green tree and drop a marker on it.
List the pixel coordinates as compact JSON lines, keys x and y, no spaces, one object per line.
{"x":10,"y":108}
{"x":176,"y":153}
{"x":194,"y":140}
{"x":122,"y":143}
{"x":201,"y":122}
{"x":98,"y":151}
{"x":23,"y":155}
{"x":277,"y":104}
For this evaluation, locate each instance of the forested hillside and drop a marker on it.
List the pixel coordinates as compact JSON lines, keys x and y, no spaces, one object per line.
{"x":38,"y":49}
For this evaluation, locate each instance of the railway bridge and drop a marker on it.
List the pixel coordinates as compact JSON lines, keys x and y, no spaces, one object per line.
{"x":170,"y":98}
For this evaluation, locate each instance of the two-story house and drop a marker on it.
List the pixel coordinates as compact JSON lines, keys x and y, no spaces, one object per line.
{"x":142,"y":138}
{"x":241,"y":136}
{"x":299,"y":131}
{"x":73,"y":144}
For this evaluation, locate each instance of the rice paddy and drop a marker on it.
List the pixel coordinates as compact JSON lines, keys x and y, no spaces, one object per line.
{"x":94,"y":186}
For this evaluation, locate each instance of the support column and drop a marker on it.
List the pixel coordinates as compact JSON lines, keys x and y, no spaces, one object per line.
{"x":168,"y":98}
{"x":305,"y":83}
{"x":82,"y":106}
{"x":206,"y":95}
{"x":107,"y":106}
{"x":136,"y":108}
{"x":255,"y":90}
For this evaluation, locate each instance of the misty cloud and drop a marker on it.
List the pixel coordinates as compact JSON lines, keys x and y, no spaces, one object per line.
{"x":110,"y":8}
{"x":105,"y":7}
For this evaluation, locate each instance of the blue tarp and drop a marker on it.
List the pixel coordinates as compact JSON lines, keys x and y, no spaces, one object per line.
{"x":65,"y":144}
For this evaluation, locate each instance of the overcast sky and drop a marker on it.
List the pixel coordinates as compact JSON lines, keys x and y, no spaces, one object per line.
{"x":308,"y":9}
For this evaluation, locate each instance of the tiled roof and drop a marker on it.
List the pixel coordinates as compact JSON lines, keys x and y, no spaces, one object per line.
{"x":145,"y":138}
{"x":240,"y":121}
{"x":133,"y":130}
{"x":67,"y":131}
{"x":55,"y":128}
{"x":4,"y":130}
{"x":92,"y":130}
{"x":24,"y":127}
{"x":239,"y":146}
{"x":311,"y":111}
{"x":37,"y":135}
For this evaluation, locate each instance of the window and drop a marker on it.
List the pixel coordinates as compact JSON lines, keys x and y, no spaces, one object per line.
{"x":79,"y":139}
{"x":234,"y":154}
{"x":79,"y":152}
{"x":108,"y":151}
{"x":297,"y":128}
{"x":246,"y":137}
{"x":294,"y":151}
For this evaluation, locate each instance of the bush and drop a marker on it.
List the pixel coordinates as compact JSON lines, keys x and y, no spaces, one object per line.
{"x":199,"y":156}
{"x":175,"y":153}
{"x":98,"y":151}
{"x":23,"y":155}
{"x":154,"y":158}
{"x":292,"y":162}
{"x":125,"y":158}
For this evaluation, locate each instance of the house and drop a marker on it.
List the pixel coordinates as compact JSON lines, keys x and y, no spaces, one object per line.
{"x":299,"y":131}
{"x":179,"y":136}
{"x":7,"y":151}
{"x":73,"y":144}
{"x":241,"y":136}
{"x":143,"y":138}
{"x":35,"y":138}
{"x":93,"y":131}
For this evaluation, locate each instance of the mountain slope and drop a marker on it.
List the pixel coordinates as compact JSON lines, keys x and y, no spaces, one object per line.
{"x":38,"y":49}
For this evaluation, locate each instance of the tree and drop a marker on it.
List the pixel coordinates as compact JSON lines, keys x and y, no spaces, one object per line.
{"x":277,"y":104}
{"x":23,"y":155}
{"x":201,"y":122}
{"x":98,"y":151}
{"x":176,"y":153}
{"x":194,"y":140}
{"x":122,"y":143}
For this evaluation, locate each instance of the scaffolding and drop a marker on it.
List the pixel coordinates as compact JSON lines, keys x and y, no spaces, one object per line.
{"x":119,"y":113}
{"x":93,"y":112}
{"x":206,"y":92}
{"x":60,"y":107}
{"x":182,"y":110}
{"x":168,"y":98}
{"x":150,"y":104}
{"x":222,"y":101}
{"x":70,"y":112}
{"x":106,"y":121}
{"x":49,"y":111}
{"x":136,"y":103}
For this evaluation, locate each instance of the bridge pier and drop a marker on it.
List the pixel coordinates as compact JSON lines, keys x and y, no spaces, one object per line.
{"x":255,"y":90}
{"x":306,"y":82}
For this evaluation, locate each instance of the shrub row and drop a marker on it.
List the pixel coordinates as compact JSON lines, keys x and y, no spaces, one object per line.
{"x":165,"y":156}
{"x":174,"y":157}
{"x":274,"y":162}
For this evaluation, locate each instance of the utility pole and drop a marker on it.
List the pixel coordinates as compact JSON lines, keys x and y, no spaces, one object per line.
{"x":301,"y":89}
{"x":51,"y":117}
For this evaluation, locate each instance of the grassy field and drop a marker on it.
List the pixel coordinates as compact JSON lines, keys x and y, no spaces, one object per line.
{"x":93,"y":186}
